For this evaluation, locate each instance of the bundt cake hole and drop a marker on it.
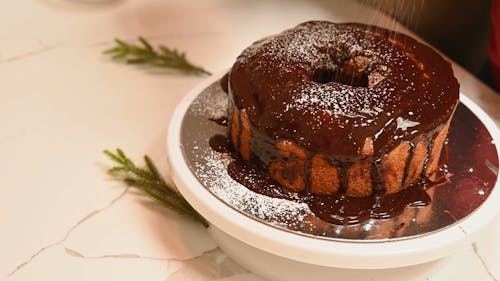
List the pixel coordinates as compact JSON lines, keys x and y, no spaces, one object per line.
{"x":323,"y":76}
{"x":353,"y":79}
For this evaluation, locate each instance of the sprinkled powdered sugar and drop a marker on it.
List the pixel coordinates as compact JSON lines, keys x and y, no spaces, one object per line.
{"x":336,"y":101}
{"x":212,"y":104}
{"x":213,"y":174}
{"x":310,"y":47}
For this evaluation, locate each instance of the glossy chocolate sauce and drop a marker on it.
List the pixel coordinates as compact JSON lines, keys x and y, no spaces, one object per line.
{"x":221,"y":143}
{"x":222,"y":121}
{"x":336,"y":209}
{"x":328,"y":87}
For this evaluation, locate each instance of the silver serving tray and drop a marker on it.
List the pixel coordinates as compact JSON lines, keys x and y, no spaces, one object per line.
{"x":472,"y":164}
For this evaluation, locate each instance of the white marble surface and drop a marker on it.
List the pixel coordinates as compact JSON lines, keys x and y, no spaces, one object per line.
{"x":63,"y":102}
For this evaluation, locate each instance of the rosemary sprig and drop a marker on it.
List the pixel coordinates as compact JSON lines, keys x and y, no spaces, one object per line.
{"x":163,"y":57}
{"x":150,"y":182}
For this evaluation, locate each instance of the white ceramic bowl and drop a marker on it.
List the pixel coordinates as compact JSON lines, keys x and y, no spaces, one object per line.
{"x":255,"y":244}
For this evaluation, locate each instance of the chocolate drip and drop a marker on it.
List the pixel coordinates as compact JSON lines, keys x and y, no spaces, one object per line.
{"x":222,"y":121}
{"x":408,"y":162}
{"x":444,"y":155}
{"x":307,"y":173}
{"x":337,"y":208}
{"x":344,"y":177}
{"x":399,"y":226}
{"x":376,"y":176}
{"x":238,"y":134}
{"x":220,"y":143}
{"x":430,"y":145}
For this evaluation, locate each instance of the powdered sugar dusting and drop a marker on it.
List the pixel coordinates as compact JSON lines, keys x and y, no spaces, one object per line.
{"x":324,"y":45}
{"x":212,"y":104}
{"x":212,"y":172}
{"x":334,"y":100}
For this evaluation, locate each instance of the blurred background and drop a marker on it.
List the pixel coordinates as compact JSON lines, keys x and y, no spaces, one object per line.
{"x":458,"y":28}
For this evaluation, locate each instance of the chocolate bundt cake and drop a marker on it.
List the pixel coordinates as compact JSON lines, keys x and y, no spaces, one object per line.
{"x":350,"y":108}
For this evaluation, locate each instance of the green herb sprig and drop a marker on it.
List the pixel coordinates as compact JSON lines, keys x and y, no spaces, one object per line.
{"x":163,"y":57}
{"x":150,"y":182}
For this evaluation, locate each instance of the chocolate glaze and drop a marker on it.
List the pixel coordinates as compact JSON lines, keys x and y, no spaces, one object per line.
{"x":336,"y":209}
{"x":222,"y":121}
{"x":221,"y":143}
{"x":408,"y":160}
{"x":376,"y":176}
{"x":329,"y":86}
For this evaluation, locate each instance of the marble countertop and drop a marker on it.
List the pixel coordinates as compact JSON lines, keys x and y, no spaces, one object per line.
{"x":63,"y":102}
